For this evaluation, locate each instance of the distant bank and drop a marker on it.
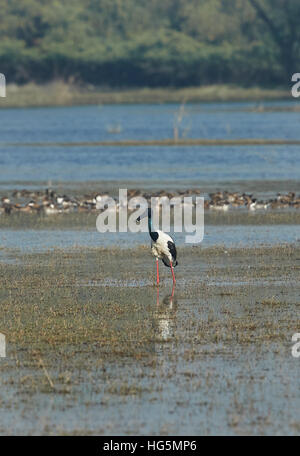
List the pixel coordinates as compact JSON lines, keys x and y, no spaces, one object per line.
{"x":62,"y":94}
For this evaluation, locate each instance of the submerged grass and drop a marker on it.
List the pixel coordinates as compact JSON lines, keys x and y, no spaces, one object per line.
{"x":99,"y":352}
{"x":92,"y":296}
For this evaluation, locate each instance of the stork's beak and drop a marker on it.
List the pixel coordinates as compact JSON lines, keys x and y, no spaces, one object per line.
{"x":145,"y":214}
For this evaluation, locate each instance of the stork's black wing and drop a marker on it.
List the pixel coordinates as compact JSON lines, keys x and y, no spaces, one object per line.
{"x":172,"y":249}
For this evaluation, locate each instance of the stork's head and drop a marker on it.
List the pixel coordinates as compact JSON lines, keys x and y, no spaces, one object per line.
{"x":147,"y":213}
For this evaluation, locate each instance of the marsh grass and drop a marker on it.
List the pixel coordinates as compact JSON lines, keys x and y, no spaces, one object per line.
{"x":60,"y":297}
{"x":87,"y":221}
{"x":61,"y":94}
{"x":78,"y":340}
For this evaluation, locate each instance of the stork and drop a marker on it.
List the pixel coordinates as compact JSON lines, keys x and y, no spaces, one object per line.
{"x":162,"y":247}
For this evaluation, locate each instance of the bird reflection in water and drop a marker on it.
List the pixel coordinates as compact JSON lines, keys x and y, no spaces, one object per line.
{"x":2,"y":346}
{"x":164,"y":317}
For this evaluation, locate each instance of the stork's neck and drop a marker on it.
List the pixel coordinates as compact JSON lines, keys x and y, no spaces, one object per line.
{"x":153,"y":234}
{"x":150,"y":225}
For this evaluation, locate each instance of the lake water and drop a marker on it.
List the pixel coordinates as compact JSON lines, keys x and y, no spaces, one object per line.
{"x":227,"y":236}
{"x":215,"y":357}
{"x":255,"y":168}
{"x":22,"y":164}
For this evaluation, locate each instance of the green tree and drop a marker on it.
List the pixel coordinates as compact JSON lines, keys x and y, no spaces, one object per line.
{"x":280,"y":20}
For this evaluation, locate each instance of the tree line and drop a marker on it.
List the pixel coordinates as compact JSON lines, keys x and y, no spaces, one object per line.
{"x":154,"y":43}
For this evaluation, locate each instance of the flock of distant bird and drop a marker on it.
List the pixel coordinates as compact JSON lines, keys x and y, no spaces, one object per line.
{"x":51,"y":203}
{"x":162,"y":245}
{"x":225,"y":200}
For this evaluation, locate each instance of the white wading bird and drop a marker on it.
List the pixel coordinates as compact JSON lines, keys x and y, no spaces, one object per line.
{"x":162,"y":246}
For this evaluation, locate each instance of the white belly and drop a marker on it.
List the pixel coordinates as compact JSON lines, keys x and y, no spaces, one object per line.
{"x":160,"y":247}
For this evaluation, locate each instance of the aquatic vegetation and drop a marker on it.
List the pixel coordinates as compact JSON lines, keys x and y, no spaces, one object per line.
{"x":85,"y":332}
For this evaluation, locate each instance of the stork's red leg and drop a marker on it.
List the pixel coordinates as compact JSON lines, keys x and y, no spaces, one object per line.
{"x":172,"y":295}
{"x":173,"y":275}
{"x":157,"y":272}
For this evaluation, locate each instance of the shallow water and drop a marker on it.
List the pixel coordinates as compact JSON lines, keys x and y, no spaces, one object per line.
{"x":228,"y":236}
{"x":128,"y":360}
{"x":215,"y":357}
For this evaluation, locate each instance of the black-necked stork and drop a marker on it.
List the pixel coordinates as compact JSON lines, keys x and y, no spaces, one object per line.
{"x":162,"y":246}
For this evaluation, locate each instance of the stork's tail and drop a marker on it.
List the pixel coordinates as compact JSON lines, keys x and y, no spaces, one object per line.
{"x":168,"y":265}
